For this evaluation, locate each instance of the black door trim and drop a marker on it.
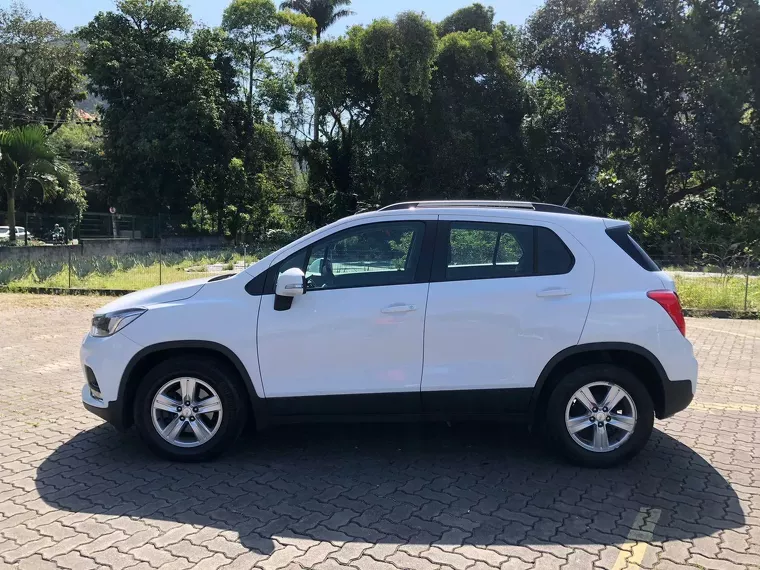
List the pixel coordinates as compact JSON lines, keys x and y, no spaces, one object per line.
{"x":500,"y":404}
{"x":346,"y":404}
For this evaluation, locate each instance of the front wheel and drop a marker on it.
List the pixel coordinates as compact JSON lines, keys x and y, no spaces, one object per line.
{"x":600,"y":415}
{"x":189,"y":409}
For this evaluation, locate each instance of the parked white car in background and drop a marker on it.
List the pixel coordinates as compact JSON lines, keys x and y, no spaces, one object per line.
{"x":5,"y":233}
{"x":429,"y":310}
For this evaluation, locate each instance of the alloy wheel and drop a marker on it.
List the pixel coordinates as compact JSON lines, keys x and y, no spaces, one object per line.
{"x":186,"y":412}
{"x":600,"y":416}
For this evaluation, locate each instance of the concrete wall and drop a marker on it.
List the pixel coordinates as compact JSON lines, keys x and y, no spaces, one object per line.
{"x":107,"y":247}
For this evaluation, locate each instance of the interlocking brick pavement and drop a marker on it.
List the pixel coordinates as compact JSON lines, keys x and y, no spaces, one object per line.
{"x":76,"y":494}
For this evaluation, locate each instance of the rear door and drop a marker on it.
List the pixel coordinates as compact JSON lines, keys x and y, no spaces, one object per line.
{"x":504,"y":298}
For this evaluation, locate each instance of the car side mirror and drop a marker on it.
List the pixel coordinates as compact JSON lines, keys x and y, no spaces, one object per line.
{"x":291,"y":283}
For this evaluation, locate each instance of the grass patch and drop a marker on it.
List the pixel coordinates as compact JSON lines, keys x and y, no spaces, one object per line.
{"x":129,"y":272}
{"x":134,"y":279}
{"x":718,"y":293}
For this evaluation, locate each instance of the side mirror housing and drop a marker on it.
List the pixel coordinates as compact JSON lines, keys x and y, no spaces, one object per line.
{"x":291,"y":283}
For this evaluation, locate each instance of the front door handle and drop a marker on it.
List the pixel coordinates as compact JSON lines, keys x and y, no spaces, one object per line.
{"x":399,"y":308}
{"x":553,"y":292}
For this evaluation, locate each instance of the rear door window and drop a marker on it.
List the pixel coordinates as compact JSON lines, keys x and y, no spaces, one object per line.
{"x":486,"y":250}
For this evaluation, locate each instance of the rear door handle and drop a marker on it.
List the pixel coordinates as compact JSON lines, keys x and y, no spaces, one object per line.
{"x":553,"y":292}
{"x":399,"y":308}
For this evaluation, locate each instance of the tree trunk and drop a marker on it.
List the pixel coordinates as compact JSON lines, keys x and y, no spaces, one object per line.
{"x":316,"y":103}
{"x":12,"y":215}
{"x":250,"y":88}
{"x":316,"y":118}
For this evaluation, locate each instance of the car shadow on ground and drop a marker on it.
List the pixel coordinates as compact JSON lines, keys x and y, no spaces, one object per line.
{"x":479,"y":484}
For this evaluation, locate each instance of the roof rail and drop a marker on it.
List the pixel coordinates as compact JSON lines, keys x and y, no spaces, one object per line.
{"x":536,"y":206}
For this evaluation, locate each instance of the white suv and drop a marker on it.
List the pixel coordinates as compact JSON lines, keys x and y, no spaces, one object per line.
{"x":429,"y":310}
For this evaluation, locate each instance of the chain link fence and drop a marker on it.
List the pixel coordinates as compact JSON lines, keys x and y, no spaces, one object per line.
{"x":717,"y":284}
{"x":53,"y":229}
{"x":72,"y":269}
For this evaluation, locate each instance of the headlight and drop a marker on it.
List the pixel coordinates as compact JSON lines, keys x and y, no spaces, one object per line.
{"x":110,"y":323}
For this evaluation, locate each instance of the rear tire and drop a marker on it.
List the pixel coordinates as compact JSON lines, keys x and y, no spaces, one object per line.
{"x":617,"y":432}
{"x":189,"y":409}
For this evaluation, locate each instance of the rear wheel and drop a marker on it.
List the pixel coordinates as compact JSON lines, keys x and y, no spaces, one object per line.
{"x":189,"y":409}
{"x":600,"y":415}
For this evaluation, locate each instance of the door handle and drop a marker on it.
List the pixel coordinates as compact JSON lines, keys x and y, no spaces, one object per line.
{"x":399,"y":308}
{"x":553,"y":292}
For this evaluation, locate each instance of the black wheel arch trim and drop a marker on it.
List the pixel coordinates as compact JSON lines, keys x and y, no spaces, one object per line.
{"x":121,"y":420}
{"x":601,"y":347}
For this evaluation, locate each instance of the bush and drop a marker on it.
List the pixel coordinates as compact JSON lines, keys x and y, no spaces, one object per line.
{"x":697,"y":239}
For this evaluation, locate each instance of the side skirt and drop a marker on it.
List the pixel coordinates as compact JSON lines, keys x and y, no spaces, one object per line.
{"x":510,"y":405}
{"x":397,"y":418}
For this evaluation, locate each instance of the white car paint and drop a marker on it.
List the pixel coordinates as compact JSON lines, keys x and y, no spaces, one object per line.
{"x":463,"y":335}
{"x":5,"y":233}
{"x":348,"y":341}
{"x":478,"y":333}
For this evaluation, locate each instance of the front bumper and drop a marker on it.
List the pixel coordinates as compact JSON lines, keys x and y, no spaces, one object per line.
{"x":112,"y":412}
{"x":106,"y":358}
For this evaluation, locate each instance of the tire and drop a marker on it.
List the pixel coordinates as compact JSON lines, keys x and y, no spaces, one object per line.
{"x":218,"y":428}
{"x":622,"y":444}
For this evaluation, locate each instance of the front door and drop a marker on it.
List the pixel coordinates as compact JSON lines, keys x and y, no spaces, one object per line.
{"x":504,"y":299}
{"x":352,"y":344}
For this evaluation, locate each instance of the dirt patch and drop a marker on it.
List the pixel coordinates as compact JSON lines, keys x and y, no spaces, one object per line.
{"x":11,"y":301}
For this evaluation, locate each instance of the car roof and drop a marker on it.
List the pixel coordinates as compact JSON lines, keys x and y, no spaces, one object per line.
{"x":509,"y":204}
{"x":528,"y":211}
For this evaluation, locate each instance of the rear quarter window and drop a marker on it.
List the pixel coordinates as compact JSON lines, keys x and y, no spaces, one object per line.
{"x":624,"y":240}
{"x":552,"y":255}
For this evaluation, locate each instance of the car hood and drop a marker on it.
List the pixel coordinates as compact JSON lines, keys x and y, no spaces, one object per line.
{"x":155,"y":295}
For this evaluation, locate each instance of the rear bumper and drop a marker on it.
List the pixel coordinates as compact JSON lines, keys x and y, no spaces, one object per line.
{"x":677,"y":395}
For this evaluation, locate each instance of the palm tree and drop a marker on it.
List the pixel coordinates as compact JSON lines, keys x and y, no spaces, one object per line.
{"x":325,"y":13}
{"x":28,"y":160}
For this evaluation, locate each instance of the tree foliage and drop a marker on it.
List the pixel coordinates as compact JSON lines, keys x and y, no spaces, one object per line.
{"x":412,"y":114}
{"x":40,"y":79}
{"x":30,"y":164}
{"x":175,"y":128}
{"x":671,"y":93}
{"x":324,"y":12}
{"x":647,"y":106}
{"x":262,"y":37}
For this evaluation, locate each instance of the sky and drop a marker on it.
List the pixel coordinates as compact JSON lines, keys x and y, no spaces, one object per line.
{"x":73,"y":13}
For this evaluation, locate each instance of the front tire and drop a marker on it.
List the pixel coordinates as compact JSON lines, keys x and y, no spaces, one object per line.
{"x":600,"y":415}
{"x":189,"y":409}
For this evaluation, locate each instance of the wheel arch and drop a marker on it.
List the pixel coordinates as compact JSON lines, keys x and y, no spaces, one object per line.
{"x":635,"y":358}
{"x":150,"y":356}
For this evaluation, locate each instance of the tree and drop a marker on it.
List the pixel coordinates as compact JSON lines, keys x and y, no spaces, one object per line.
{"x":475,"y":17}
{"x":179,"y":139}
{"x":28,"y":161}
{"x":324,"y":13}
{"x":170,"y":114}
{"x":40,"y":79}
{"x":413,"y":115}
{"x":80,"y":145}
{"x":660,"y":90}
{"x":261,"y":35}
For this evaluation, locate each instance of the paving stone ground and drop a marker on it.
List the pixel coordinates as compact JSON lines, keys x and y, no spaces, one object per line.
{"x":76,"y":494}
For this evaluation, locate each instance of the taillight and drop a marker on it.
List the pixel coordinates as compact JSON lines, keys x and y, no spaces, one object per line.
{"x":669,"y":301}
